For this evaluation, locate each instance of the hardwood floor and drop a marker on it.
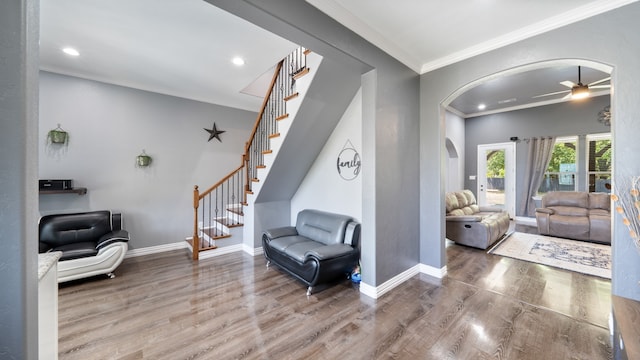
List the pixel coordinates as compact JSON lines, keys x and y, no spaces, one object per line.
{"x":164,"y":306}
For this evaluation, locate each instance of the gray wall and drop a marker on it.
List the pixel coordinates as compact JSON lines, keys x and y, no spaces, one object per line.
{"x":109,"y":126}
{"x":390,"y":223}
{"x":611,"y":38}
{"x":563,"y":119}
{"x":19,"y":164}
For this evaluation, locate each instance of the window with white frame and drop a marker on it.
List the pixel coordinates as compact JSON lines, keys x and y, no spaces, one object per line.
{"x":562,"y":170}
{"x":599,"y":163}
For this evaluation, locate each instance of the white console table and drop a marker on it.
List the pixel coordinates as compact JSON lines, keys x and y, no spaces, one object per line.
{"x":48,"y":305}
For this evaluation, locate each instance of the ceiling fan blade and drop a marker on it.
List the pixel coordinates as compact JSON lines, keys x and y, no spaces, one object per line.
{"x":600,"y":87}
{"x":600,"y":81}
{"x":568,"y":83}
{"x":551,"y":94}
{"x":567,"y":97}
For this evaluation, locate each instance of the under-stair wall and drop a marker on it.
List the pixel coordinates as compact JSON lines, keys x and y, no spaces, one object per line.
{"x":327,"y":92}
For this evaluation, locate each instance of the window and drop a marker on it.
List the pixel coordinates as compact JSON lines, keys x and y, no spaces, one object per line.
{"x":561,"y":172}
{"x":599,"y":163}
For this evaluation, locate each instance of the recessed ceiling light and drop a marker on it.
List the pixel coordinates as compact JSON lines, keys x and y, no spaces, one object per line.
{"x":482,"y":107}
{"x":238,"y":61}
{"x":70,"y":51}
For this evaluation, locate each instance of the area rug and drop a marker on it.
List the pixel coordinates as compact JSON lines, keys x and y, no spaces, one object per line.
{"x":574,"y":255}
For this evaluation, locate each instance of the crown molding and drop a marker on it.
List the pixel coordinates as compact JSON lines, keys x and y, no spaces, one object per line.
{"x":529,"y":105}
{"x":552,"y":23}
{"x":349,"y":20}
{"x":346,"y":18}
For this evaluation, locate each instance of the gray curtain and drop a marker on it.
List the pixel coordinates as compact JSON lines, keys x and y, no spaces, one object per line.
{"x":540,"y":151}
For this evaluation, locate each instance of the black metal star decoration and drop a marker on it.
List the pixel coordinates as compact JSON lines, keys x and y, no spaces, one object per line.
{"x":214,"y":133}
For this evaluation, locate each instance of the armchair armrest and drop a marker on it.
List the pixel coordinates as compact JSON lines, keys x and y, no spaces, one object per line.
{"x":329,"y":251}
{"x":112,"y":237}
{"x":280,"y":232}
{"x":545,"y":211}
{"x":352,"y":234}
{"x":464,"y":218}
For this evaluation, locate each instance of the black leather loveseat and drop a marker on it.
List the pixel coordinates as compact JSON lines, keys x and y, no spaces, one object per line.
{"x":92,"y":243}
{"x":321,"y":247}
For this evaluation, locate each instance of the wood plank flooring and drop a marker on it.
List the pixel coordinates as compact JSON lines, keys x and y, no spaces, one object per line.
{"x":164,"y":306}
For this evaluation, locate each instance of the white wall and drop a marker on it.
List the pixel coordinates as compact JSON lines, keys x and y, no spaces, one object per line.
{"x":455,"y":165}
{"x":109,"y":126}
{"x":322,"y":187}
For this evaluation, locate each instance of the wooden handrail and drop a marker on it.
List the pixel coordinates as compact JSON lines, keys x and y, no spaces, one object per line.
{"x":209,"y":190}
{"x":264,"y":105}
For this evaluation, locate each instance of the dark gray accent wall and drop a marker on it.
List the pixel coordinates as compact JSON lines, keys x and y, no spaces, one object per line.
{"x":611,"y":38}
{"x":563,"y":119}
{"x":392,"y":208}
{"x":19,"y":35}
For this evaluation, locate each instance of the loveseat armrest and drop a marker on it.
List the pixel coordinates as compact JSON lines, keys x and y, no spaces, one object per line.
{"x":280,"y":232}
{"x":330,"y":251}
{"x":112,"y":237}
{"x":464,"y":218}
{"x":545,"y":211}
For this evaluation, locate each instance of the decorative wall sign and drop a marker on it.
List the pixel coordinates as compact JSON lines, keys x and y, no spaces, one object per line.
{"x":214,"y":132}
{"x":348,"y":162}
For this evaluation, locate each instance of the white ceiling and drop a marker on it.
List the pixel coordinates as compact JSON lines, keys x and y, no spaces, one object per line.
{"x":184,"y":47}
{"x":428,"y":34}
{"x":175,"y":47}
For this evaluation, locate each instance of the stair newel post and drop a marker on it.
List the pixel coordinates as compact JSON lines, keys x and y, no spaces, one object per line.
{"x":196,"y":238}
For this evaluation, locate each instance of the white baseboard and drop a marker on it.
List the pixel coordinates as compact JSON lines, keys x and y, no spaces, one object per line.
{"x":385,"y":287}
{"x":220,"y":251}
{"x":184,"y":245}
{"x":433,"y":271}
{"x":377,"y":291}
{"x":156,"y":249}
{"x":252,"y":251}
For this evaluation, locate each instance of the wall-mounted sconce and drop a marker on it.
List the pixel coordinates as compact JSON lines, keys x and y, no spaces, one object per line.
{"x":143,"y":160}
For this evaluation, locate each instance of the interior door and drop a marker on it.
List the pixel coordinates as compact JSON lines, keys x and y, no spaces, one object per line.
{"x":496,"y":176}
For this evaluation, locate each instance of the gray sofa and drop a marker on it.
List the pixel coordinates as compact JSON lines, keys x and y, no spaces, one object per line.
{"x":471,"y":225}
{"x":321,"y":247}
{"x":576,"y":215}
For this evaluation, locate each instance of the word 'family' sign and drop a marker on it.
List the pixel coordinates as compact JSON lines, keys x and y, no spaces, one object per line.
{"x":348,"y":162}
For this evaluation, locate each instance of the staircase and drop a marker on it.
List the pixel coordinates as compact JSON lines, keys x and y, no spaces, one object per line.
{"x":220,"y":208}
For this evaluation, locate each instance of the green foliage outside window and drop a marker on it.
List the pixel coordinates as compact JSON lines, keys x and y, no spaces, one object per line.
{"x":495,"y":164}
{"x":563,"y":153}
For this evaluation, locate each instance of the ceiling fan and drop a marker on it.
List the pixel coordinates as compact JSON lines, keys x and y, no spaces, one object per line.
{"x":579,"y":90}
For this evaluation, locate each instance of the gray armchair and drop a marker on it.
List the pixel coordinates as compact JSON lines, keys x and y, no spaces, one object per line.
{"x":471,"y":225}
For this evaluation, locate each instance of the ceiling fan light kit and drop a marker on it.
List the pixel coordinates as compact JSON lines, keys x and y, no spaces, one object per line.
{"x":579,"y":92}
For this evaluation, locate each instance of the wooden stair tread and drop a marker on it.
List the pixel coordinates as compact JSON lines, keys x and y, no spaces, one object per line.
{"x":307,"y":52}
{"x":267,"y":152}
{"x":229,"y":222}
{"x":301,"y":73}
{"x":210,"y":233}
{"x":236,"y":211}
{"x":282,"y":117}
{"x":210,"y":247}
{"x":292,"y":96}
{"x":275,"y":135}
{"x":261,"y":166}
{"x":255,"y":180}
